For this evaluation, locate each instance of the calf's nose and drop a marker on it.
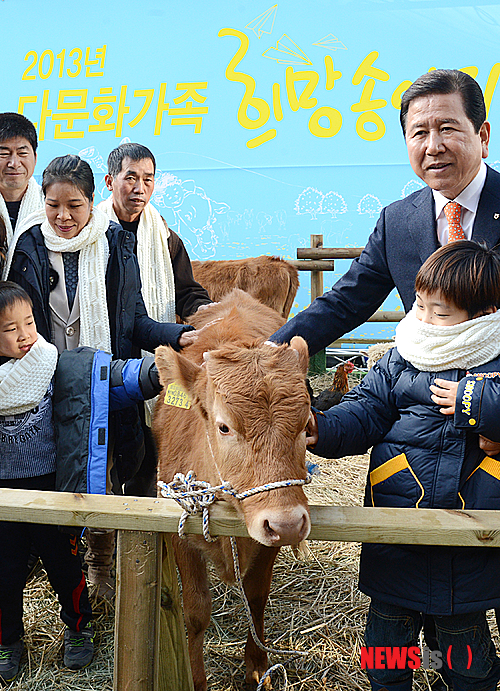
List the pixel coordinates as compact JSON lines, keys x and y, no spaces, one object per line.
{"x":287,"y":530}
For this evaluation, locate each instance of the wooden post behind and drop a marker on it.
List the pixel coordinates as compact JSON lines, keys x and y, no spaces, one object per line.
{"x":317,"y":362}
{"x":316,"y":276}
{"x":137,"y":611}
{"x":175,"y":669}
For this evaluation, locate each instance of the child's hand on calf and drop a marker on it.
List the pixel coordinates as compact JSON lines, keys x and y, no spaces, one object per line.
{"x":311,"y":430}
{"x":444,"y":393}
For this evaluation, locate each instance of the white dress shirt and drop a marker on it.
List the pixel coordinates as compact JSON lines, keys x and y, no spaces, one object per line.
{"x":468,"y":200}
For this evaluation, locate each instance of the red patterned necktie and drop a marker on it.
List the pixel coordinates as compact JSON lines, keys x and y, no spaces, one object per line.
{"x":452,"y":211}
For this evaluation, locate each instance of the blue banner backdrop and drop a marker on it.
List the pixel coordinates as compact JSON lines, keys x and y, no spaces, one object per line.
{"x":268,"y":122}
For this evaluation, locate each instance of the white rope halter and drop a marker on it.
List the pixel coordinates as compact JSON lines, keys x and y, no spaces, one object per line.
{"x":195,"y":496}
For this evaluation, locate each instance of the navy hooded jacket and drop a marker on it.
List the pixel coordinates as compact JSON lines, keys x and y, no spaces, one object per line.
{"x":422,"y":458}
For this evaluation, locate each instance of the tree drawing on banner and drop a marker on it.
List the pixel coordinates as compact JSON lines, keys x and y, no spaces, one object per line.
{"x":411,"y":187}
{"x":333,"y":203}
{"x":369,"y":204}
{"x":309,"y":202}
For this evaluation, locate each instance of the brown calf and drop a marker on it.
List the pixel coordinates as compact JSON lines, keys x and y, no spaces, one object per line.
{"x":249,"y":408}
{"x":271,"y":280}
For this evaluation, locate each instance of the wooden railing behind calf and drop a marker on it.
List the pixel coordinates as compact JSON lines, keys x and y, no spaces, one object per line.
{"x":318,"y":259}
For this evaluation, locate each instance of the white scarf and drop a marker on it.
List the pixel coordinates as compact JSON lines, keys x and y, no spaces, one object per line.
{"x":155,"y":265}
{"x":157,"y":276}
{"x":24,"y":382}
{"x":92,"y":244}
{"x":31,"y":201}
{"x":34,"y":219}
{"x":432,"y":348}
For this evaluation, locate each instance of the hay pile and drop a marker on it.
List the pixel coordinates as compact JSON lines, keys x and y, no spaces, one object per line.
{"x":314,"y":606}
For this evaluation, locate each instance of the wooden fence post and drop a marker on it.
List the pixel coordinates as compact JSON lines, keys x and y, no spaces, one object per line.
{"x":317,"y":362}
{"x":137,"y":611}
{"x":175,"y":669}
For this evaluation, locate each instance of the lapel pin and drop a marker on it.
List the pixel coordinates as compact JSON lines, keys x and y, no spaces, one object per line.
{"x":496,"y":216}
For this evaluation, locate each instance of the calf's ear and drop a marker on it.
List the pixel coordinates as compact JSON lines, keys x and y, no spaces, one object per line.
{"x":175,"y":367}
{"x":298,"y":344}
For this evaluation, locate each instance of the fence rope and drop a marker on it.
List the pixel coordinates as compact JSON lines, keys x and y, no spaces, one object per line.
{"x":195,"y":496}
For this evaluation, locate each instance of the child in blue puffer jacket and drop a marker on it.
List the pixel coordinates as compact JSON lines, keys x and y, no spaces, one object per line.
{"x":423,"y":408}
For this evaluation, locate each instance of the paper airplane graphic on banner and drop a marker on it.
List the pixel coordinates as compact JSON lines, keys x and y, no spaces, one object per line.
{"x":330,"y":42}
{"x":263,"y":24}
{"x":287,"y":52}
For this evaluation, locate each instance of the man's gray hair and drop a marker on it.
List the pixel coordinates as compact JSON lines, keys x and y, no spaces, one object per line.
{"x":137,"y":152}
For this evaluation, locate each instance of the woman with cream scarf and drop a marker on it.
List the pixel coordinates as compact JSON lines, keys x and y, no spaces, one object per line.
{"x":81,"y":273}
{"x":79,"y":268}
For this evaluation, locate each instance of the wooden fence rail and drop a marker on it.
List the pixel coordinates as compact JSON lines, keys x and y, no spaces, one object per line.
{"x":328,"y":252}
{"x":150,"y":643}
{"x":477,"y":528}
{"x":317,"y":259}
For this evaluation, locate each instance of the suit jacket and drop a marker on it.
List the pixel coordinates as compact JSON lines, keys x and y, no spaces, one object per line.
{"x":404,"y":237}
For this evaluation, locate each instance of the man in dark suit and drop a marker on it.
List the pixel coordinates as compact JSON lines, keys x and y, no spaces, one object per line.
{"x":443,"y":117}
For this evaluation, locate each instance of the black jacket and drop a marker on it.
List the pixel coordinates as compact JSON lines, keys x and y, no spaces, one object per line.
{"x":423,"y":459}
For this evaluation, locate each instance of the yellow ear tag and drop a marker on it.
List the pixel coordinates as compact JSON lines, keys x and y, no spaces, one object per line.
{"x":176,"y":396}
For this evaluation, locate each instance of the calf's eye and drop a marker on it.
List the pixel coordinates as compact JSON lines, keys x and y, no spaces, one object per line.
{"x":223,"y":429}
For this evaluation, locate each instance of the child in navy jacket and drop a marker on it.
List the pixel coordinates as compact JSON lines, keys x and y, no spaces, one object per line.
{"x":423,"y":408}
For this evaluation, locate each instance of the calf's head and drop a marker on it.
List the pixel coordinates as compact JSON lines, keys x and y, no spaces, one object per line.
{"x":255,"y":406}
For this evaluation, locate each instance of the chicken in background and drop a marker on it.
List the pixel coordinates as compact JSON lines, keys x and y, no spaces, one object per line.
{"x":333,"y":395}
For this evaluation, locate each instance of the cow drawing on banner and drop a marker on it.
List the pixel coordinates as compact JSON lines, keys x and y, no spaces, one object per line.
{"x":245,"y":426}
{"x":190,"y":212}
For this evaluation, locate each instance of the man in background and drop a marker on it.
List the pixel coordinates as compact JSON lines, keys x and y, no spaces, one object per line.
{"x":20,"y":195}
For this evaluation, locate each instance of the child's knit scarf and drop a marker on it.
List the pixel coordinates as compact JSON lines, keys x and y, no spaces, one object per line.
{"x":432,"y":348}
{"x":24,"y":382}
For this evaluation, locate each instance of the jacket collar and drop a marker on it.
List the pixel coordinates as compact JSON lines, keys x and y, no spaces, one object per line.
{"x":420,"y":218}
{"x":487,"y":222}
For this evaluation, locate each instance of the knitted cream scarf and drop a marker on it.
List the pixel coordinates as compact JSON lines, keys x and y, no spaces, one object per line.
{"x":92,"y":244}
{"x":157,"y":276}
{"x":432,"y":348}
{"x":24,"y":382}
{"x":31,"y":201}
